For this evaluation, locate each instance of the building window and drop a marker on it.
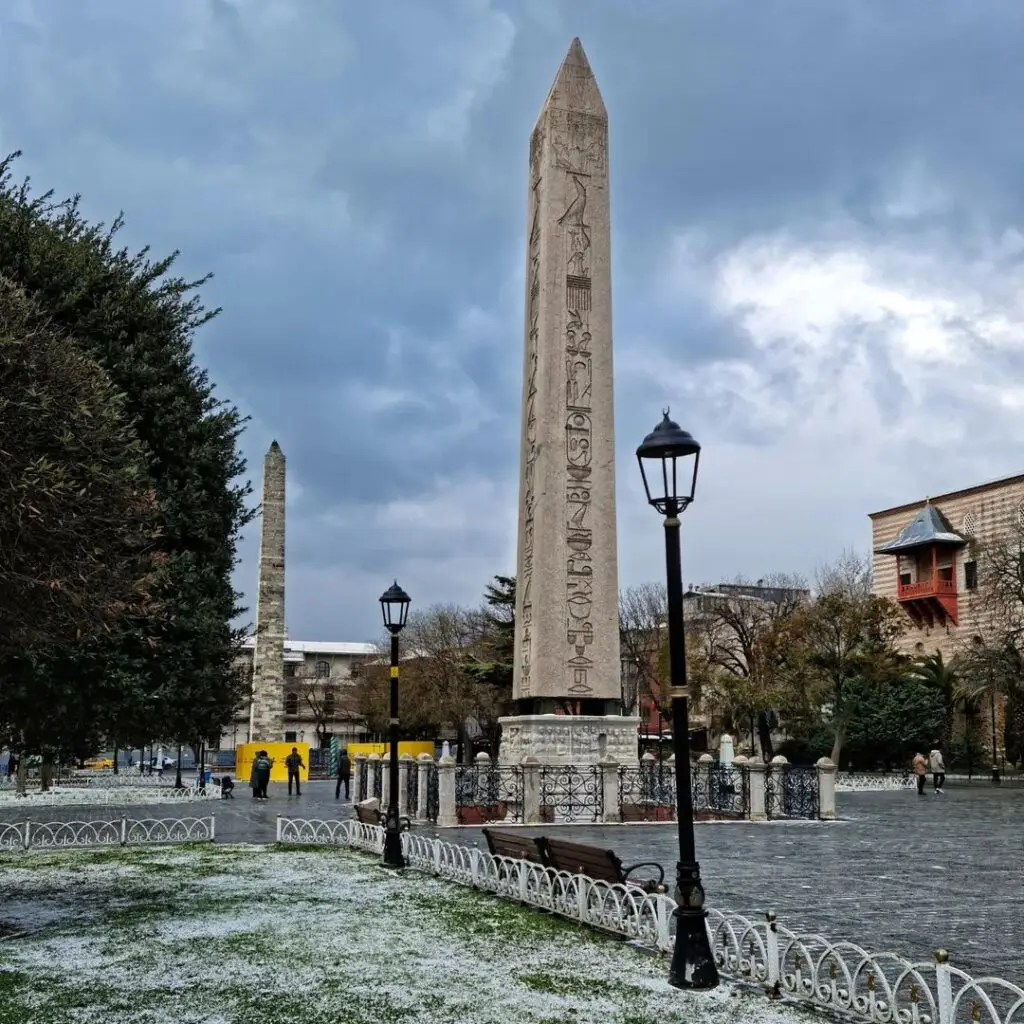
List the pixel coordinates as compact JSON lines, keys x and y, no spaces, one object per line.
{"x":291,"y":703}
{"x":289,"y":670}
{"x":970,"y":523}
{"x":323,"y":670}
{"x":329,"y":704}
{"x":1020,"y":516}
{"x":289,"y":737}
{"x":971,"y":575}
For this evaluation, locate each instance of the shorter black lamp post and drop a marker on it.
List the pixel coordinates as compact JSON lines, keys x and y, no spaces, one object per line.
{"x":668,"y":451}
{"x":394,"y":604}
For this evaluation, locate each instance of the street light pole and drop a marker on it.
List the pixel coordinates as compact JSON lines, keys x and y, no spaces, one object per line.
{"x":394,"y":604}
{"x":693,"y":965}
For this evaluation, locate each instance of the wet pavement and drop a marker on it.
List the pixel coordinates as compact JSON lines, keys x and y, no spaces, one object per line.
{"x":899,"y":872}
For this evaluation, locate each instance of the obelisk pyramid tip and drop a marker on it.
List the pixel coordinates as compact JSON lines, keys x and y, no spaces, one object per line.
{"x":575,"y":87}
{"x":274,"y":449}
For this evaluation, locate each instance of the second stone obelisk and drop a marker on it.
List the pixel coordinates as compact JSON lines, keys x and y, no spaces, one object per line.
{"x":567,"y":621}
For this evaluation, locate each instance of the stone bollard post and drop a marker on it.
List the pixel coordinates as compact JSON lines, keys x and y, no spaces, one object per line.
{"x":405,"y":765}
{"x":372,"y":775}
{"x":360,"y":778}
{"x":424,"y":766}
{"x":446,"y":812}
{"x":826,"y":789}
{"x":755,"y":787}
{"x":531,"y":790}
{"x":704,"y":785}
{"x":611,"y":810}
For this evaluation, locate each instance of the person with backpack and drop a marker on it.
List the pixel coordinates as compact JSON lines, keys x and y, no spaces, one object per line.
{"x":294,"y":762}
{"x":260,"y":778}
{"x":344,"y":774}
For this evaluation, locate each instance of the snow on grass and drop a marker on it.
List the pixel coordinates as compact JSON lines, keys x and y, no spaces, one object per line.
{"x":276,"y":936}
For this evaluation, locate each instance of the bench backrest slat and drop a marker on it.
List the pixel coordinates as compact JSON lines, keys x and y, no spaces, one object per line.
{"x":578,"y":858}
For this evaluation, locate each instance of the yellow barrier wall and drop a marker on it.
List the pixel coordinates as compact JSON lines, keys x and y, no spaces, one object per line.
{"x":414,"y":747}
{"x":245,"y":754}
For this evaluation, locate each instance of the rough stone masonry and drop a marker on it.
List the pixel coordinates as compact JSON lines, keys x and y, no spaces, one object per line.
{"x":567,"y":632}
{"x":266,"y":715}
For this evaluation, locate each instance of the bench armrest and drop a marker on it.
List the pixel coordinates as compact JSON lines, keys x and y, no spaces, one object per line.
{"x":626,"y":872}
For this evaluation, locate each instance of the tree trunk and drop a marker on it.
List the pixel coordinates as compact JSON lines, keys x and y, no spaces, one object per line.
{"x":115,"y":759}
{"x":764,"y":735}
{"x":177,"y":777}
{"x":22,"y":783}
{"x":837,"y":742}
{"x":46,"y":772}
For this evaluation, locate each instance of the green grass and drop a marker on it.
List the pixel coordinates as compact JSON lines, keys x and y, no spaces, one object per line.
{"x":288,"y":935}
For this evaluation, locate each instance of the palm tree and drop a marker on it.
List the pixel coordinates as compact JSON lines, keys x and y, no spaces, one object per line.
{"x":944,"y":677}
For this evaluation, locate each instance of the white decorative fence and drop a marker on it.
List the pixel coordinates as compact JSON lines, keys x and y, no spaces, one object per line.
{"x":841,"y":978}
{"x":868,"y":782}
{"x":58,"y":835}
{"x":118,"y":796}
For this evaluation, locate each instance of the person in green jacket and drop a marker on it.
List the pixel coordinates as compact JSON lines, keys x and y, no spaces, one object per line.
{"x":260,"y":777}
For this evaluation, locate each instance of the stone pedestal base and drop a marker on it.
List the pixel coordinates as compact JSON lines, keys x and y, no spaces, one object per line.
{"x":569,"y":739}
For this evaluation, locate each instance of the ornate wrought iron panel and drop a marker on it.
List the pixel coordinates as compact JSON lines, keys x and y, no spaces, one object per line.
{"x":433,"y":798}
{"x":412,"y":790}
{"x":647,"y":793}
{"x":360,"y":781}
{"x":571,"y":793}
{"x":487,"y":793}
{"x":790,"y":792}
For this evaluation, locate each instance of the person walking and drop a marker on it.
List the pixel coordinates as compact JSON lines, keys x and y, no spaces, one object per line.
{"x":261,"y":766}
{"x":938,"y":768}
{"x":920,"y":770}
{"x":294,"y":762}
{"x":344,"y":774}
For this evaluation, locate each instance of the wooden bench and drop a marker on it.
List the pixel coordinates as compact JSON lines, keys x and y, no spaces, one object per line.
{"x":375,"y":816}
{"x":601,"y":865}
{"x":515,"y":847}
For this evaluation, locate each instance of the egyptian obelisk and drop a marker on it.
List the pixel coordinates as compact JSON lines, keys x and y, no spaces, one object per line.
{"x":266,"y":715}
{"x":566,"y":681}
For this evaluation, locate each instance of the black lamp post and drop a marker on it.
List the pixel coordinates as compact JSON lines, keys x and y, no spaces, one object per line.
{"x":394,"y":603}
{"x":668,"y":450}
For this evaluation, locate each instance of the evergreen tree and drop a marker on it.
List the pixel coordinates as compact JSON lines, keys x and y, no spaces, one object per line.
{"x":171,"y":673}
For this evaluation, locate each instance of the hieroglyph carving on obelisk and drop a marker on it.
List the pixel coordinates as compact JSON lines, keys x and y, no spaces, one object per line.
{"x":266,"y":715}
{"x":567,"y":635}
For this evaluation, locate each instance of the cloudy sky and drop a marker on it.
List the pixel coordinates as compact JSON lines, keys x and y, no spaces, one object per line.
{"x":817,"y":254}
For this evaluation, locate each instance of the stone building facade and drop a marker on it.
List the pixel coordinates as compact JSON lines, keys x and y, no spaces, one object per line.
{"x":928,"y":557}
{"x":314,"y":693}
{"x":936,"y":581}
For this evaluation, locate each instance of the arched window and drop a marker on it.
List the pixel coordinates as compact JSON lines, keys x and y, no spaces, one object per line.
{"x":323,"y":669}
{"x":970,"y":524}
{"x":291,"y":703}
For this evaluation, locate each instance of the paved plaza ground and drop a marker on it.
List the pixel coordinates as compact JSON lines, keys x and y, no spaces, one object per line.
{"x":898,"y":872}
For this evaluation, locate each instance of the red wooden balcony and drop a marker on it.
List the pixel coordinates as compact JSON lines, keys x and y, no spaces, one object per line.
{"x":929,"y":600}
{"x":926,"y":588}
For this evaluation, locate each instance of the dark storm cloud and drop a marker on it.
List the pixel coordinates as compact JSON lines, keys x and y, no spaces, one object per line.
{"x":355,"y":177}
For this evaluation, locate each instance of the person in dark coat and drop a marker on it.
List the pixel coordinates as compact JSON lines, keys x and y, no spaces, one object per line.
{"x":344,"y":774}
{"x":260,"y":779}
{"x":294,"y":762}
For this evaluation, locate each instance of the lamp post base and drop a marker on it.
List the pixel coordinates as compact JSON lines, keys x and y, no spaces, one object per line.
{"x":693,"y":964}
{"x":393,"y":857}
